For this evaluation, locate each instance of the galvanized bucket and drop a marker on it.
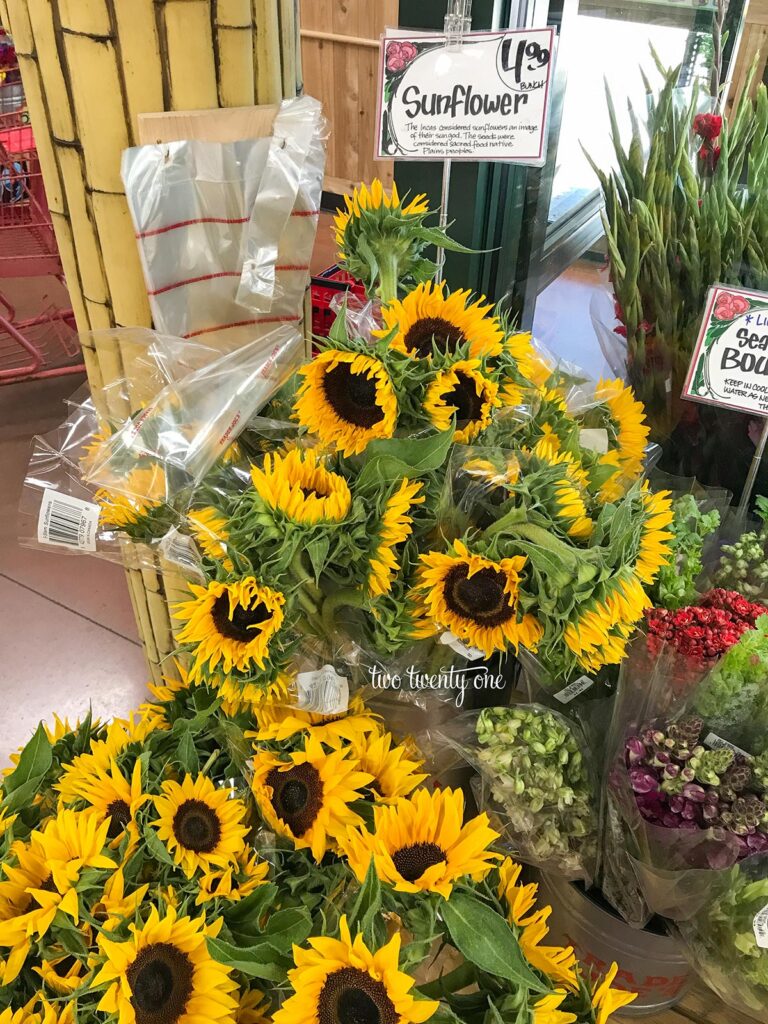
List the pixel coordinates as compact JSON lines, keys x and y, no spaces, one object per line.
{"x":650,"y":962}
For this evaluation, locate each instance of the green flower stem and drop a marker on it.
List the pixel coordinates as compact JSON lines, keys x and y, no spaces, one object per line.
{"x":388,"y":276}
{"x":303,"y":577}
{"x":348,"y":598}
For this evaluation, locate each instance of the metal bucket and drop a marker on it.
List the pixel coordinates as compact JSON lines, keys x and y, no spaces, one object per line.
{"x":650,"y":962}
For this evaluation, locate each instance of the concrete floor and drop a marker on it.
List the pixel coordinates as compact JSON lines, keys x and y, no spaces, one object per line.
{"x":68,"y":638}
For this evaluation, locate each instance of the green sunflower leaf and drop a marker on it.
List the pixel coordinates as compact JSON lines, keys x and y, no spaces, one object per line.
{"x":252,"y":907}
{"x":486,"y":940}
{"x":367,"y":905}
{"x":187,"y":753}
{"x":157,"y":847}
{"x":35,"y":760}
{"x":287,"y":927}
{"x":393,"y":458}
{"x":262,"y":961}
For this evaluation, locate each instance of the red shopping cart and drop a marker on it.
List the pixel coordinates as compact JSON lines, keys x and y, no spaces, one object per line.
{"x":44,"y":345}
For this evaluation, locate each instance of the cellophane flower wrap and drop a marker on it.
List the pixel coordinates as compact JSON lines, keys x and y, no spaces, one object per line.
{"x":686,"y":782}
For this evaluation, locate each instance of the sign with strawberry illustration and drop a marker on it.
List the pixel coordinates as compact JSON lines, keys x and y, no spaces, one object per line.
{"x":730,"y":360}
{"x":485,"y":99}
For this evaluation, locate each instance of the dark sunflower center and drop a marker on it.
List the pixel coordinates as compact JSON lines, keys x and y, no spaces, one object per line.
{"x":161,"y":982}
{"x":297,"y":796}
{"x":352,"y":396}
{"x":240,"y":625}
{"x":352,"y":996}
{"x":313,"y":492}
{"x":412,"y":861}
{"x":197,"y":826}
{"x":469,"y":405}
{"x":119,"y":814}
{"x":445,"y":335}
{"x":479,"y":597}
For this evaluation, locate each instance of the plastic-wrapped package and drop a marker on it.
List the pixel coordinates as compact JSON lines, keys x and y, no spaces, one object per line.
{"x":226,"y":230}
{"x":535,"y":779}
{"x":684,"y":799}
{"x":188,"y":426}
{"x":727,"y":938}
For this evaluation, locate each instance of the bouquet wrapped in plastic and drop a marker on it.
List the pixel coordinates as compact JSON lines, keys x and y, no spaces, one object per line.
{"x":535,"y":779}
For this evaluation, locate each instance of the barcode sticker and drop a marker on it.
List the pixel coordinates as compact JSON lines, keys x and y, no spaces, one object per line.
{"x":594,"y":439}
{"x":572,"y":690}
{"x":470,"y":653}
{"x":67,"y":522}
{"x":323,"y":691}
{"x":715,"y":742}
{"x":760,"y":927}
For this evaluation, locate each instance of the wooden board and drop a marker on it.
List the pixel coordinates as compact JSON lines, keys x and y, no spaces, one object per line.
{"x":208,"y":125}
{"x":752,"y":45}
{"x":340,"y":54}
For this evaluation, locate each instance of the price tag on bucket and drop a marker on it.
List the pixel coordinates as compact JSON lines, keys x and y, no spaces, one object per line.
{"x":760,"y":926}
{"x":324,"y":692}
{"x":67,"y":522}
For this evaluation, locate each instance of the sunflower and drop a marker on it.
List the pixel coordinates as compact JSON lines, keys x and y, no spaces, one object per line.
{"x":599,"y":635}
{"x":306,"y":795}
{"x":230,"y":624}
{"x":244,"y":698}
{"x":606,"y":1000}
{"x":465,"y":394}
{"x":104,"y":747}
{"x":477,"y":599}
{"x":43,"y":880}
{"x":253,"y":1007}
{"x":347,"y":399}
{"x":62,"y":973}
{"x":420,"y":844}
{"x":210,"y":529}
{"x":628,"y":424}
{"x":527,"y":368}
{"x":427,"y":319}
{"x":572,"y":509}
{"x":116,"y":799}
{"x":558,"y":963}
{"x":201,"y":824}
{"x":655,"y":550}
{"x":164,"y":973}
{"x":300,"y":487}
{"x":394,"y":775}
{"x":278,"y":722}
{"x":234,"y":882}
{"x":546,"y":1010}
{"x":114,"y":906}
{"x":6,"y":820}
{"x":338,"y":981}
{"x":395,"y":526}
{"x":520,"y":900}
{"x":376,"y":198}
{"x":143,"y":491}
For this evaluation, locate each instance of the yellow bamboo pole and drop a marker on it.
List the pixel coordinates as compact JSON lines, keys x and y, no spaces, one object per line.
{"x":90,"y":68}
{"x":234,"y":42}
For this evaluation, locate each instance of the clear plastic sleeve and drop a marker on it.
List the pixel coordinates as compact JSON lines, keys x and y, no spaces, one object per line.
{"x":189,"y":425}
{"x":684,"y":799}
{"x":534,"y":778}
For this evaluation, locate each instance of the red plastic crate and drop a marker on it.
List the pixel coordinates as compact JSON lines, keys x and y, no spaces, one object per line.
{"x":331,"y":282}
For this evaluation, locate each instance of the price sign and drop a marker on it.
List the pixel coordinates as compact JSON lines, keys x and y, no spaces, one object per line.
{"x":486,"y":99}
{"x":729,"y":367}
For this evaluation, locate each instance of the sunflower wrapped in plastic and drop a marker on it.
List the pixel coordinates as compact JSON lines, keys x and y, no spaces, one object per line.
{"x":382,"y":239}
{"x":142,"y":878}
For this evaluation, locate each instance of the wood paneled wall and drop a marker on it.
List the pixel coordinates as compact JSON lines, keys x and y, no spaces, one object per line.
{"x":340,"y":54}
{"x":753,"y":43}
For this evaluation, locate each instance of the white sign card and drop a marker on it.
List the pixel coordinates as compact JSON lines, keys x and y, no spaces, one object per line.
{"x":729,"y":366}
{"x":487,"y":99}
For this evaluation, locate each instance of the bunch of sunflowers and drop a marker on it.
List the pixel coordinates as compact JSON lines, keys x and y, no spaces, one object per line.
{"x":435,"y":479}
{"x":252,"y":863}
